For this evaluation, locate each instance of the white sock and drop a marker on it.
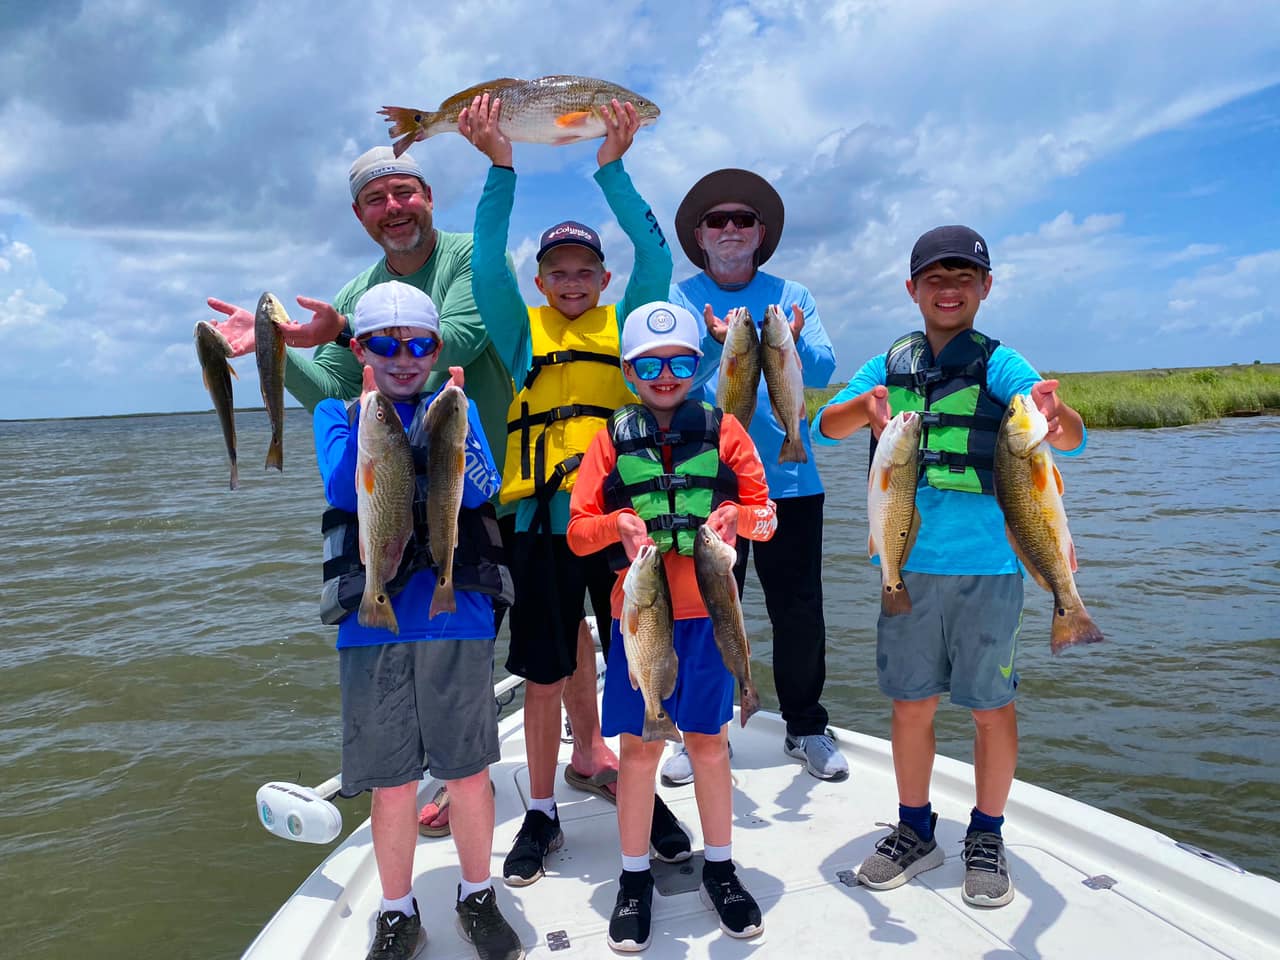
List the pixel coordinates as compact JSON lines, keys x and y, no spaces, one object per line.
{"x":404,"y":905}
{"x":635,"y":864}
{"x":466,"y":888}
{"x":547,"y":806}
{"x":717,"y":854}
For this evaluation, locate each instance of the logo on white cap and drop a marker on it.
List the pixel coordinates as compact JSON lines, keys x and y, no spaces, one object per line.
{"x":661,"y":320}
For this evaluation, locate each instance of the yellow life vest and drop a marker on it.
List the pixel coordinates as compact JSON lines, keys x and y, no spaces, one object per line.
{"x":574,"y":385}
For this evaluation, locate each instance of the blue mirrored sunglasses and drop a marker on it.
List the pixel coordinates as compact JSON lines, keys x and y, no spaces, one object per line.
{"x":390,"y":346}
{"x":650,"y":368}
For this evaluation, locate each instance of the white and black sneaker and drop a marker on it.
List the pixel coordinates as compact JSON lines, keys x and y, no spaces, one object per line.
{"x":986,"y":871}
{"x":899,"y":857}
{"x":631,"y":922}
{"x":397,"y":936}
{"x":486,"y":929}
{"x":722,"y":892}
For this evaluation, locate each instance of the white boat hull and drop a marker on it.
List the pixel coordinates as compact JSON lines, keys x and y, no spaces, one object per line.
{"x":1089,"y":884}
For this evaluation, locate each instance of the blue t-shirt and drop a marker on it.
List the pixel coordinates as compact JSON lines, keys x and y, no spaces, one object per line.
{"x":960,"y":533}
{"x":817,"y":359}
{"x":336,"y":447}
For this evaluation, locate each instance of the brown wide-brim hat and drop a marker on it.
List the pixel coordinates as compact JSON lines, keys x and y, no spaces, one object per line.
{"x":730,"y":185}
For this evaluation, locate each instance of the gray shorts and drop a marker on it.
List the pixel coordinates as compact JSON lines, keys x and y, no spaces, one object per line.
{"x":410,"y":706}
{"x":961,"y":636}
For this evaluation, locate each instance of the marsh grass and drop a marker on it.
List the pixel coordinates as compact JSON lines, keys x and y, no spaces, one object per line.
{"x":1160,"y":397}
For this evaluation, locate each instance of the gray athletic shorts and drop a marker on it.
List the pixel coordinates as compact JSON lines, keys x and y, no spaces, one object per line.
{"x":961,"y":636}
{"x":410,"y":706}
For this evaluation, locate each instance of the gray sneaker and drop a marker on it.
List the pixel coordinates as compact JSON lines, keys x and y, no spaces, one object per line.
{"x":899,"y":857}
{"x":820,"y":755}
{"x":986,"y":872}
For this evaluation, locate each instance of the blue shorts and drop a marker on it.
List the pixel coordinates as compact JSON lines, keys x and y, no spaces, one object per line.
{"x":702,"y":701}
{"x":961,"y":636}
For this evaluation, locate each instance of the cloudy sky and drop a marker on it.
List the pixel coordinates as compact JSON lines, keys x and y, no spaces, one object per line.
{"x":1121,"y":160}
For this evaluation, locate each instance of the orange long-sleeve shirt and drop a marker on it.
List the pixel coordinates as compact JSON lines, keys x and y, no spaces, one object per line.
{"x":591,"y":528}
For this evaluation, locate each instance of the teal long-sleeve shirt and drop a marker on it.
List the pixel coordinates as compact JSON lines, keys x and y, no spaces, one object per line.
{"x":497,"y":292}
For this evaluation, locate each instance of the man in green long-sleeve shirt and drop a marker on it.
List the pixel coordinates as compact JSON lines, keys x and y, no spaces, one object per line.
{"x":392,"y":200}
{"x":564,"y":359}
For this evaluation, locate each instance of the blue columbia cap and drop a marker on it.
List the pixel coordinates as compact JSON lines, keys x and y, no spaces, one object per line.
{"x":570,"y":232}
{"x":944,"y":243}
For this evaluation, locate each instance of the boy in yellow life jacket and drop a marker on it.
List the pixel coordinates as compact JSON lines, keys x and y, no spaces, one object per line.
{"x":564,"y":360}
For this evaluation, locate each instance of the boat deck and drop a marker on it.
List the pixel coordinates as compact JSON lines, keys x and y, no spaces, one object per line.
{"x":1088,"y":884}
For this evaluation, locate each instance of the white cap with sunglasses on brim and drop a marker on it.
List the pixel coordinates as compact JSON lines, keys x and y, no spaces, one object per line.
{"x":394,"y":304}
{"x":659,"y":324}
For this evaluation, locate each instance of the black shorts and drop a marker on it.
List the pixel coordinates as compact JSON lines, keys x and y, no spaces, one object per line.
{"x":552,"y":585}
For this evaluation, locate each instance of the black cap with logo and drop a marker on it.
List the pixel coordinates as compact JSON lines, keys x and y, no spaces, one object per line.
{"x":570,"y":232}
{"x":944,"y":243}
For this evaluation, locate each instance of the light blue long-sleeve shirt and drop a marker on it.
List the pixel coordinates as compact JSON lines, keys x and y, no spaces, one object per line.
{"x":502,"y":307}
{"x":817,"y":359}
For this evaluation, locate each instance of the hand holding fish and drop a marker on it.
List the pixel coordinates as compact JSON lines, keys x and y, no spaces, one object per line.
{"x":632,"y":533}
{"x":719,"y":329}
{"x":479,"y":124}
{"x":367,"y":383}
{"x":878,"y":412}
{"x":724,"y":521}
{"x":797,"y":321}
{"x":1066,"y":428}
{"x":326,"y":323}
{"x":620,"y":125}
{"x":456,"y":377}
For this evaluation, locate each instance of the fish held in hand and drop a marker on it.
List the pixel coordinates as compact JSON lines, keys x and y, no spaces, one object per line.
{"x":739,"y":366}
{"x":446,"y":425}
{"x":555,"y":110}
{"x":214,"y":353}
{"x":384,"y":504}
{"x":648,"y":630}
{"x":713,"y":561}
{"x":780,"y":366}
{"x":269,"y":350}
{"x":891,"y":507}
{"x":1029,"y":490}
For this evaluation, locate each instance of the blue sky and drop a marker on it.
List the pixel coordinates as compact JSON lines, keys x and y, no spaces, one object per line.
{"x":1121,"y":161}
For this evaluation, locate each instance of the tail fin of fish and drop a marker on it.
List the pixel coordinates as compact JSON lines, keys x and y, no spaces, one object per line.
{"x":793,"y":451}
{"x":275,"y":454}
{"x":375,"y":611}
{"x":894,"y":599}
{"x":660,"y":727}
{"x":748,"y":702}
{"x":1072,"y":625}
{"x":409,"y":125}
{"x":443,"y":599}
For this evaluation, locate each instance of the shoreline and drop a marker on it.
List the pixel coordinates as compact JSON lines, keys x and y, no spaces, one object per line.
{"x":1157,"y":397}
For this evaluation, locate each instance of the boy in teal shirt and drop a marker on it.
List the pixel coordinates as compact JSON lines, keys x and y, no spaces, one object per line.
{"x":564,"y":359}
{"x":963,"y":577}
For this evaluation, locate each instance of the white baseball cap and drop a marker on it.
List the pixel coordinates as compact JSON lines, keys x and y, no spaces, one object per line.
{"x":659,"y":324}
{"x":394,"y":304}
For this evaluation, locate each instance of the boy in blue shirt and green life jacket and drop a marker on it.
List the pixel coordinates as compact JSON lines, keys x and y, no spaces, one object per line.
{"x":564,"y":359}
{"x":397,"y":688}
{"x":963,"y":576}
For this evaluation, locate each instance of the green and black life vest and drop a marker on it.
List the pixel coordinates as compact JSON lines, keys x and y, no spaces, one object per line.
{"x":960,"y":418}
{"x":479,"y":563}
{"x":672,"y":504}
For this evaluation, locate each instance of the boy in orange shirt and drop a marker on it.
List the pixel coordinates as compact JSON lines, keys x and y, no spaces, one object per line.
{"x":678,"y":464}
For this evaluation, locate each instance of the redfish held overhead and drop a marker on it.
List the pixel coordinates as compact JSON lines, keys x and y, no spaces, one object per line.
{"x":556,"y":110}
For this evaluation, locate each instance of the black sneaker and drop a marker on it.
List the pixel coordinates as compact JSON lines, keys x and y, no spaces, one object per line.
{"x":538,"y":836}
{"x":397,"y":936}
{"x":482,"y":926}
{"x":669,"y":841}
{"x":630,"y":923}
{"x":722,"y":892}
{"x":899,"y":857}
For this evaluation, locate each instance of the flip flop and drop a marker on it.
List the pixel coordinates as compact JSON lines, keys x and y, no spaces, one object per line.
{"x":438,"y":805}
{"x":597,"y":783}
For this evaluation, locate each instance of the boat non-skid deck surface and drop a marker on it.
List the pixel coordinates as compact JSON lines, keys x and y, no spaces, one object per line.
{"x":1088,"y":884}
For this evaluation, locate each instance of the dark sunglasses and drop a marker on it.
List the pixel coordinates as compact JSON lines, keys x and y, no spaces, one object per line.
{"x":650,"y":368}
{"x":390,"y":346}
{"x":742,"y":219}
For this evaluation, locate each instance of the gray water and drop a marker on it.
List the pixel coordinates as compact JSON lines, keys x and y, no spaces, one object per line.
{"x":162,"y":658}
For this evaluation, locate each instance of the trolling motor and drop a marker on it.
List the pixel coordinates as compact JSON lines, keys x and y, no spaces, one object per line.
{"x":300,"y":813}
